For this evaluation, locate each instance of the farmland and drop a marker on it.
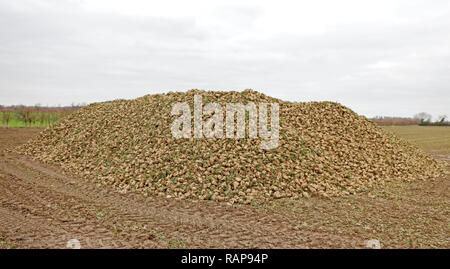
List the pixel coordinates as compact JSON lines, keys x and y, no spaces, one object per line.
{"x":319,"y":149}
{"x":402,"y":215}
{"x":42,"y":206}
{"x":36,"y":116}
{"x":434,"y":139}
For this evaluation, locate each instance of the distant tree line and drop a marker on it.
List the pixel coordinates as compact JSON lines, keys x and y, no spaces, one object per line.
{"x":34,"y":116}
{"x":422,"y":119}
{"x":382,"y":120}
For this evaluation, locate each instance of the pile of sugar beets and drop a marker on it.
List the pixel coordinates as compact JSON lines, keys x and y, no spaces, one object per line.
{"x":324,"y":149}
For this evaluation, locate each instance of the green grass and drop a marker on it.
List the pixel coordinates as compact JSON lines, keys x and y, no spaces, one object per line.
{"x":42,"y":119}
{"x":20,"y":124}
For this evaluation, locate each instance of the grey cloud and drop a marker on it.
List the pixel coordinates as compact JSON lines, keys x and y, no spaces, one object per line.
{"x":59,"y":55}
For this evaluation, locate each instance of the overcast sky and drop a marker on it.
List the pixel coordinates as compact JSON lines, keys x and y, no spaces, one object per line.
{"x":378,"y":57}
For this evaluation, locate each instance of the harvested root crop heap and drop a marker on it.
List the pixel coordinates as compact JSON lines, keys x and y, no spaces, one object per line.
{"x":324,"y":149}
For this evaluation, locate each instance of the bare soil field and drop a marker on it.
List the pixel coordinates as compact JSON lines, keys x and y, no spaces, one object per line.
{"x":43,"y":207}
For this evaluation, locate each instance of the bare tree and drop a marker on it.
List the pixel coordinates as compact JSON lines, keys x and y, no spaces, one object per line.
{"x":25,"y":114}
{"x":6,"y":117}
{"x":423,"y":117}
{"x":442,"y":118}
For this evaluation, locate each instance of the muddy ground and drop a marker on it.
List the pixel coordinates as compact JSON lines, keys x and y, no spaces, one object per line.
{"x":42,"y":207}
